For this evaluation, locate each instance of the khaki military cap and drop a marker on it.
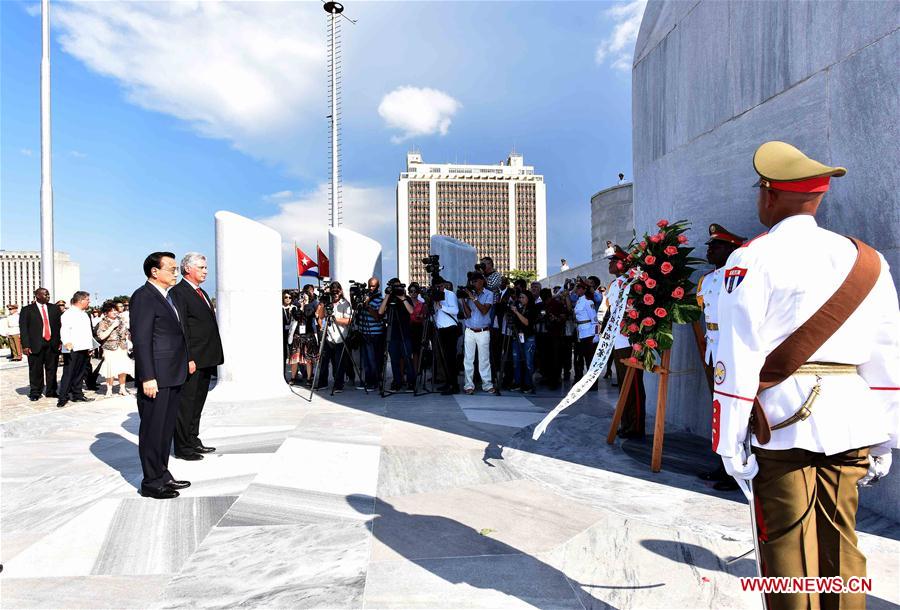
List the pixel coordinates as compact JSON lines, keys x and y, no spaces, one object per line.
{"x":784,"y":167}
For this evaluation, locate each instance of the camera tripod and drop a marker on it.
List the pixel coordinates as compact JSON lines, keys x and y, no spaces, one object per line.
{"x":437,"y":354}
{"x":504,"y":352}
{"x":329,"y":322}
{"x":391,"y":319}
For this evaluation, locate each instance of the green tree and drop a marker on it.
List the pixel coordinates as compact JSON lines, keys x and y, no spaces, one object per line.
{"x":522,"y":274}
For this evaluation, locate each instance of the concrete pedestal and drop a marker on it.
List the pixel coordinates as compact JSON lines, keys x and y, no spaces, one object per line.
{"x":353,"y":256}
{"x":457,"y":258}
{"x":248,"y":303}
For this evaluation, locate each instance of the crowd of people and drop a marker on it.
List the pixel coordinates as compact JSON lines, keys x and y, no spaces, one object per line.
{"x":503,"y":334}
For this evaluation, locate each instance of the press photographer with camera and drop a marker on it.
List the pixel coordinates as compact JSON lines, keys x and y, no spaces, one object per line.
{"x":525,"y":315}
{"x":371,"y":328}
{"x":477,"y":303}
{"x":302,"y":335}
{"x":492,"y":277}
{"x":396,"y":309}
{"x":332,"y":303}
{"x":498,"y":328}
{"x":446,"y":313}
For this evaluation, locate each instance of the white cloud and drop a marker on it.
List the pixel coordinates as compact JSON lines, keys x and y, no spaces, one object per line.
{"x":417,"y":111}
{"x":618,"y":47}
{"x":26,"y":151}
{"x":279,"y":196}
{"x":77,"y":154}
{"x":250,"y":73}
{"x":304,"y":219}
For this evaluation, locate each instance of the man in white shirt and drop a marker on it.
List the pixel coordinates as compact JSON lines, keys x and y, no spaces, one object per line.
{"x":77,"y":342}
{"x":446,"y":318}
{"x":336,"y":334}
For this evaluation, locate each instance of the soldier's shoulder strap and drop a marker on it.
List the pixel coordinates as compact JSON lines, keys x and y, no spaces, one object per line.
{"x":794,"y":351}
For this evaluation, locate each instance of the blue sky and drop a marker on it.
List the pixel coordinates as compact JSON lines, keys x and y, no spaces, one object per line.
{"x":164,"y":113}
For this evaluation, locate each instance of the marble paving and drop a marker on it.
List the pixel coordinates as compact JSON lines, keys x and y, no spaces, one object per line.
{"x":362,"y":502}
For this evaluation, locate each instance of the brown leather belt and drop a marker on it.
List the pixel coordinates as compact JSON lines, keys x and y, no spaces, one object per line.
{"x":712,"y":326}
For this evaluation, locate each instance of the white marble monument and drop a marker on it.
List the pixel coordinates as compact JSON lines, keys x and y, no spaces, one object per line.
{"x":353,"y":256}
{"x":457,"y":258}
{"x":248,"y":302}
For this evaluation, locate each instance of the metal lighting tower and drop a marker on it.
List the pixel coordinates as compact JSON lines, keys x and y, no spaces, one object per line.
{"x":334,"y":9}
{"x":47,"y":262}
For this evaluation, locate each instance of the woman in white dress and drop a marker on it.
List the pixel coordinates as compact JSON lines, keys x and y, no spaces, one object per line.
{"x":113,"y":336}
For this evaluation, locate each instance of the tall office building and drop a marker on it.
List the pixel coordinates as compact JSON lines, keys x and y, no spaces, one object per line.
{"x":500,"y":209}
{"x":20,"y":276}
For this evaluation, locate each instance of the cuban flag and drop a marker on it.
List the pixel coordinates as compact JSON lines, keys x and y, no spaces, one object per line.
{"x":734,"y":277}
{"x":306,"y":266}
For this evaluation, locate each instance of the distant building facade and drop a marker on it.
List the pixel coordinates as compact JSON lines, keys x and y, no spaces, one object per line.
{"x":500,"y":209}
{"x":20,"y":276}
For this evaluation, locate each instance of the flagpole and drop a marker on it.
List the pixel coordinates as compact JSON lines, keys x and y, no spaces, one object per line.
{"x":298,"y":270}
{"x":47,"y":262}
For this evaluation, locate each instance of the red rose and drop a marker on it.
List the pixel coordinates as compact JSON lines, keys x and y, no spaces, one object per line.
{"x":666,"y":268}
{"x":662,"y":223}
{"x":633,"y":360}
{"x":656,"y":238}
{"x":643,"y":245}
{"x":682,"y":239}
{"x":637,"y":347}
{"x":660,"y":312}
{"x":620,"y":266}
{"x":638,"y":288}
{"x":633,"y":328}
{"x":650,"y":282}
{"x":650,"y":259}
{"x":644,"y":276}
{"x":678,"y":293}
{"x":648,"y":321}
{"x":651,"y":343}
{"x":631,"y":302}
{"x":632,"y":272}
{"x":648,"y":299}
{"x":671,"y":250}
{"x":629,"y":258}
{"x":633,"y":314}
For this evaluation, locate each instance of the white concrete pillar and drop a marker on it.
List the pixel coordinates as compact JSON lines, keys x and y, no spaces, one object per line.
{"x":248,"y":308}
{"x":457,"y":258}
{"x":353,"y":256}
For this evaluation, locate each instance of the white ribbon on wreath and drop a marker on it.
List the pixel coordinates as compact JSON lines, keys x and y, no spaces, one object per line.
{"x":601,"y":357}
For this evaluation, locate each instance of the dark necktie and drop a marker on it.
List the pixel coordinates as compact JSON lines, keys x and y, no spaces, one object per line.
{"x":172,"y":304}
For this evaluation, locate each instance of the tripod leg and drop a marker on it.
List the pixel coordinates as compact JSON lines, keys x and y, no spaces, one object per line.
{"x":503,"y":353}
{"x":315,"y":379}
{"x":387,"y":343}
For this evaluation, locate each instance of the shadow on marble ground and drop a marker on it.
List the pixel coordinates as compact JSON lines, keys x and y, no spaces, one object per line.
{"x":693,"y":555}
{"x":459,"y":554}
{"x":118,"y":452}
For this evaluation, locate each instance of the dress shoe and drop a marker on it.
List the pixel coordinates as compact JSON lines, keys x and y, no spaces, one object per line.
{"x":718,"y":474}
{"x":729,"y":485}
{"x":204,"y":449}
{"x":160,"y":494}
{"x":189,"y":457}
{"x":51,"y":395}
{"x":34,"y":398}
{"x":178,"y":484}
{"x":82,"y":399}
{"x":61,"y":403}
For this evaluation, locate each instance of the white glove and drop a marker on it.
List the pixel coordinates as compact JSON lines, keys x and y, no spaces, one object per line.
{"x":741,"y":466}
{"x":879,"y":465}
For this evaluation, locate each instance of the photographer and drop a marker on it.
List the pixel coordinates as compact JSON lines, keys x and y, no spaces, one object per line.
{"x":335,"y":335}
{"x":477,"y":304}
{"x":446,"y":312}
{"x":492,"y":277}
{"x":416,"y":321}
{"x":586,"y":325}
{"x":525,"y":315}
{"x":398,"y":307}
{"x":371,"y":327}
{"x":302,"y":335}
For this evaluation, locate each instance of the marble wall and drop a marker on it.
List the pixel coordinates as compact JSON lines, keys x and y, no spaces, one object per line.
{"x":612,"y":218}
{"x":713,"y":80}
{"x":457,"y":258}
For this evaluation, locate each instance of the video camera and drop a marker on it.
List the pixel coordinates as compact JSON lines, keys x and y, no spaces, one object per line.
{"x":358,"y":292}
{"x":435,"y":291}
{"x":395,"y":291}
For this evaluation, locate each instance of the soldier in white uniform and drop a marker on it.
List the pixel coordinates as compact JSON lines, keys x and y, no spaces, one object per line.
{"x":633,"y":416}
{"x":835,"y":419}
{"x":719,"y":247}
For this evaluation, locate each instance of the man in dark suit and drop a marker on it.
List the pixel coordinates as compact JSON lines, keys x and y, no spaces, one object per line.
{"x":204,"y":351}
{"x":160,"y":368}
{"x":39,"y":325}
